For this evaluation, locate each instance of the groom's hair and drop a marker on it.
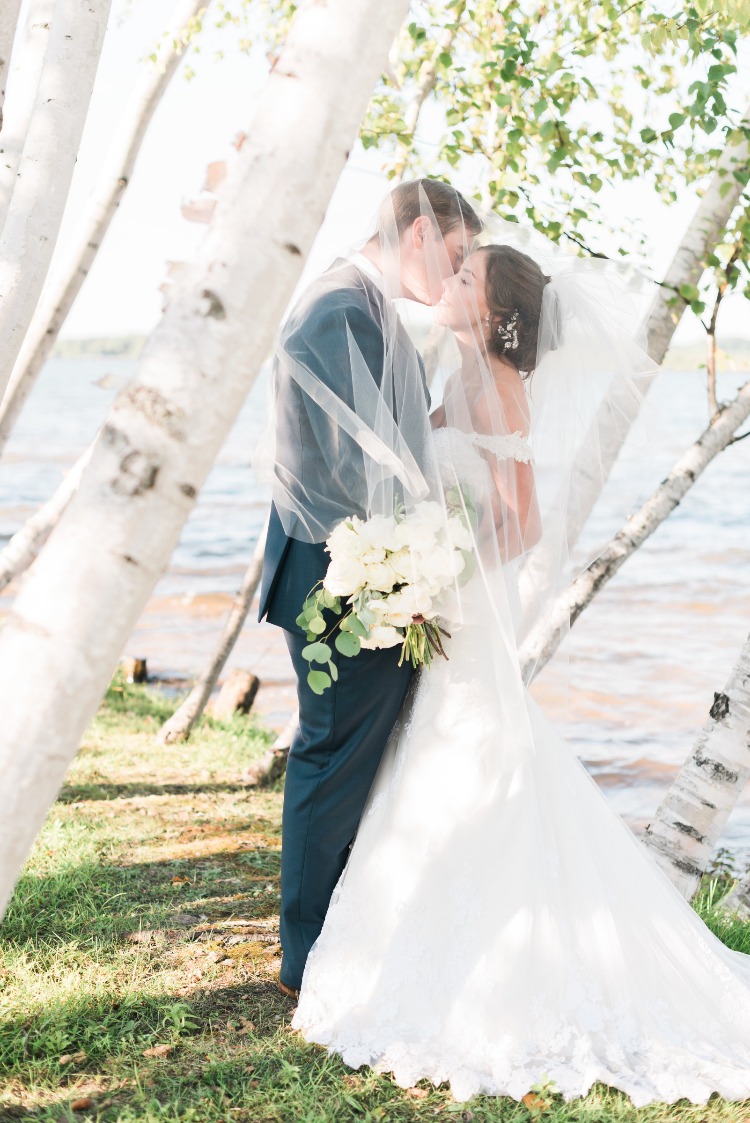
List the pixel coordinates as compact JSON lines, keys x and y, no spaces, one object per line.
{"x":448,"y":206}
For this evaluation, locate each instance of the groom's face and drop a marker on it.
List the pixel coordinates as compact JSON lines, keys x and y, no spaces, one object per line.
{"x":428,"y":257}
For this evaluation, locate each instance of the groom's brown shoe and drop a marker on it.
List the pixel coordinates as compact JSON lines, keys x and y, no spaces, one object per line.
{"x":290,"y":992}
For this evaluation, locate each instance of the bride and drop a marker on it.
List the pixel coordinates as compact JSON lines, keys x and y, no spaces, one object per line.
{"x":497,"y":925}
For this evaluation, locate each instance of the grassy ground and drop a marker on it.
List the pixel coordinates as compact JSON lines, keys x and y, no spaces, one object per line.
{"x":138,"y":957}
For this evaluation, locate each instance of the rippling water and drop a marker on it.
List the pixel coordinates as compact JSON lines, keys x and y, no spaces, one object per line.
{"x":646,"y":657}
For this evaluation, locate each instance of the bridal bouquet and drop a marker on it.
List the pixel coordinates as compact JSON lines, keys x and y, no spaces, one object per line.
{"x":384,"y":580}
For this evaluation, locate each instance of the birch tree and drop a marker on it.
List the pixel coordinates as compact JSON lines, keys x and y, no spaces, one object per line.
{"x":68,"y":625}
{"x":64,"y":285}
{"x":24,"y":71}
{"x":543,"y":640}
{"x":689,"y":821}
{"x":179,"y":726}
{"x":8,"y":23}
{"x":46,"y":167}
{"x":25,"y":544}
{"x":678,"y":289}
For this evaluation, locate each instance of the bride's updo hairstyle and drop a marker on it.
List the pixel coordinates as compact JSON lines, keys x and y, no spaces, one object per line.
{"x":514,"y":289}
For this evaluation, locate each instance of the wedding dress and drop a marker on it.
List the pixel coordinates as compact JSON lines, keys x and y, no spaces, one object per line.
{"x":497,"y":923}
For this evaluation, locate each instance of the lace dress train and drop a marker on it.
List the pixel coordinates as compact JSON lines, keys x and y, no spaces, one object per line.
{"x":497,"y":923}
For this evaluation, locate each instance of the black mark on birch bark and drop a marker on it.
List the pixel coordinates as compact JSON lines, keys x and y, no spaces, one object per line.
{"x":215,"y":307}
{"x":685,"y":828}
{"x":189,"y":490}
{"x":720,"y":708}
{"x":290,"y":246}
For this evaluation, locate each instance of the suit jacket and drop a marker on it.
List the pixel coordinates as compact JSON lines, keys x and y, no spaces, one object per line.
{"x":319,"y":340}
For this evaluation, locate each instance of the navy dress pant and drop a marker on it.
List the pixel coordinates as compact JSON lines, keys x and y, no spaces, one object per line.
{"x":332,"y":763}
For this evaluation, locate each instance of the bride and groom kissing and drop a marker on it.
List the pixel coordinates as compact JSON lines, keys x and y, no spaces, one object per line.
{"x":459,"y":902}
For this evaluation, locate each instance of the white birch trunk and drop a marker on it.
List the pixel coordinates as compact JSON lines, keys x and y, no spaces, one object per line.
{"x":179,"y":726}
{"x":65,"y":284}
{"x":687,"y":825}
{"x":69,"y":623}
{"x":8,"y":24}
{"x":22,"y":86}
{"x":26,"y":543}
{"x":543,"y":640}
{"x":618,"y":413}
{"x":46,"y":167}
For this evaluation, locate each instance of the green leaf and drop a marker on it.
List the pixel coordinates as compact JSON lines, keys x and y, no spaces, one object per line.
{"x":347,"y":644}
{"x":356,"y":626}
{"x":316,"y":652}
{"x":318,"y":681}
{"x":333,"y":671}
{"x":301,"y":621}
{"x":317,"y":625}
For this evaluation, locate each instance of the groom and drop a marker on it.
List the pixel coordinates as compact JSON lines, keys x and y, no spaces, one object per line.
{"x":343,"y":732}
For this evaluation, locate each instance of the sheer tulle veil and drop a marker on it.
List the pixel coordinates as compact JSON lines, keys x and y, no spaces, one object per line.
{"x":366,"y":428}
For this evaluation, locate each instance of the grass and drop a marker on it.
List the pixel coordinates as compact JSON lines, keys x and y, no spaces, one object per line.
{"x":138,"y":958}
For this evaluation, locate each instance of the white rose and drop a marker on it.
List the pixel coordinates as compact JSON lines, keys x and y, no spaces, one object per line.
{"x":380,"y":576}
{"x":396,"y":613}
{"x":402,"y":564}
{"x":440,"y":567}
{"x":459,"y":534}
{"x":377,"y":532}
{"x":416,"y":600}
{"x":344,"y":540}
{"x":345,"y":576}
{"x":430,"y":514}
{"x":381,"y":635}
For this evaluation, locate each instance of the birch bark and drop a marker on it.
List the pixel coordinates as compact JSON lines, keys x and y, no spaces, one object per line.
{"x":687,"y":825}
{"x":70,"y":621}
{"x":8,"y":25}
{"x":180,"y":724}
{"x":65,"y":284}
{"x":22,"y":86}
{"x":543,"y":640}
{"x":46,"y":167}
{"x":618,"y":412}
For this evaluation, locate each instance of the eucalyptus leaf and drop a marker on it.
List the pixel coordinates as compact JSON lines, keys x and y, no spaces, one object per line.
{"x":348,"y":644}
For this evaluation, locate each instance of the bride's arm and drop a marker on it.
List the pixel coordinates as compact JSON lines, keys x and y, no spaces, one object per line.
{"x":515,"y":510}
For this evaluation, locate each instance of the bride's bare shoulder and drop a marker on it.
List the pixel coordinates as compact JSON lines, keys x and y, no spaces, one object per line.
{"x":509,"y":397}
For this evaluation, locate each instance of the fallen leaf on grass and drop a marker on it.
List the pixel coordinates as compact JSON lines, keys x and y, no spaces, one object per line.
{"x":180,"y":880}
{"x":83,"y":1104}
{"x":145,"y":936}
{"x":67,"y":1058}
{"x":534,"y":1102}
{"x":417,"y":1093}
{"x":158,"y":1051}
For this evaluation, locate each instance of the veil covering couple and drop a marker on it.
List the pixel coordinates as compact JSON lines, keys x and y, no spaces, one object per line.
{"x":459,"y":901}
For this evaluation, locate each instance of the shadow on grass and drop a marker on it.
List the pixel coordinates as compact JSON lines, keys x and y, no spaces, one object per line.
{"x":77,"y":793}
{"x":91,"y":903}
{"x":102,"y":1041}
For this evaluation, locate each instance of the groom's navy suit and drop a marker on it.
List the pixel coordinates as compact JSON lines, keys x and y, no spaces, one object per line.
{"x":343,"y":732}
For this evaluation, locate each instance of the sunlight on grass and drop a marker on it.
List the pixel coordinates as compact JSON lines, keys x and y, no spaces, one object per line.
{"x":138,"y":957}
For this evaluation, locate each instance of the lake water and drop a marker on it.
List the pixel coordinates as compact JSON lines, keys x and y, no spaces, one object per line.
{"x":645,"y":658}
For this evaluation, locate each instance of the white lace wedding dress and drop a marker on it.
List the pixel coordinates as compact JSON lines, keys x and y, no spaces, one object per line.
{"x":497,"y":923}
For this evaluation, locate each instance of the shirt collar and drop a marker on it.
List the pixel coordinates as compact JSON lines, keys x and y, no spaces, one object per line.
{"x":370,"y":268}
